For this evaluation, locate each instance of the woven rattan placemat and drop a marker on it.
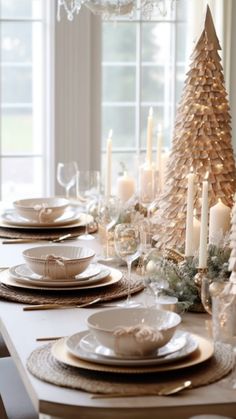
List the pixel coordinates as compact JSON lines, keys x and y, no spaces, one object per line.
{"x":43,"y":233}
{"x":73,"y":297}
{"x":43,"y":365}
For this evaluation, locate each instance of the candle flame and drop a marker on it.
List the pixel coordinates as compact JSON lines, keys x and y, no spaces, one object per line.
{"x":219,"y":200}
{"x":206,"y":176}
{"x":150,"y":111}
{"x":191,"y":169}
{"x":194,"y":212}
{"x":110,"y":133}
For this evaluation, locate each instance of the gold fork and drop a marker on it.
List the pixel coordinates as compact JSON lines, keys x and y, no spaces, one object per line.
{"x":55,"y":306}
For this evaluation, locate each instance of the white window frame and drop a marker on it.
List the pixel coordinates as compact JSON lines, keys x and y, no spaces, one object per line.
{"x":46,"y":66}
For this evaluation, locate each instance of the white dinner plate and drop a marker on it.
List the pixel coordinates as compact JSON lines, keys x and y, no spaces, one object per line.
{"x":11,"y":217}
{"x":94,"y":273}
{"x":87,"y":348}
{"x":79,"y":220}
{"x":113,"y":276}
{"x":204,"y":350}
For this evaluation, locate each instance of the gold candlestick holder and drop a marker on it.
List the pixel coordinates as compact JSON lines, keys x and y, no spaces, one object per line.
{"x":198,"y":279}
{"x":202,"y":282}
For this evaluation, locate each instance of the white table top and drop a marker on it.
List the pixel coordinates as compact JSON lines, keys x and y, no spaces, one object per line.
{"x":20,"y":330}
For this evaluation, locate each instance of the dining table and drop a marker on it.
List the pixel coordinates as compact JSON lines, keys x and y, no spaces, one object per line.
{"x":20,"y":330}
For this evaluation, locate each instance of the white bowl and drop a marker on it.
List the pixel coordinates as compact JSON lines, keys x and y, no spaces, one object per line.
{"x":41,"y":209}
{"x":58,"y":261}
{"x":133,"y":331}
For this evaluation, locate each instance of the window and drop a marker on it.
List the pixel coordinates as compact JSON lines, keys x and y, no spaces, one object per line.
{"x":23,"y":99}
{"x":143,"y":65}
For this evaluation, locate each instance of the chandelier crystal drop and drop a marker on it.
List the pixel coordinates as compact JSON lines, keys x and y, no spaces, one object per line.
{"x":110,"y":9}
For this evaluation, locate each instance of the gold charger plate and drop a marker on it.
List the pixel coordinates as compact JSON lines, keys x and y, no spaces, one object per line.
{"x":205,"y":351}
{"x":114,"y":277}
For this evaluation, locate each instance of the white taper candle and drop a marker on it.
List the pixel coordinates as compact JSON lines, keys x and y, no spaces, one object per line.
{"x":189,"y":251}
{"x":204,"y":226}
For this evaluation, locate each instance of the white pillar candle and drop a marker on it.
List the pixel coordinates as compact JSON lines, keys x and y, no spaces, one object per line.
{"x":108,"y":166}
{"x":196,"y":235}
{"x":146,"y":185}
{"x":125,"y":187}
{"x":149,"y":138}
{"x":189,"y":216}
{"x":204,"y":227}
{"x":219,"y":222}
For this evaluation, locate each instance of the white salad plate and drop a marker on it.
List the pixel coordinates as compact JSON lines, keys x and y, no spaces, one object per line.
{"x":87,"y":348}
{"x":86,"y":277}
{"x":12,"y":218}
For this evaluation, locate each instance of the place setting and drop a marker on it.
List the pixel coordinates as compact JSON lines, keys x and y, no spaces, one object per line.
{"x":44,"y":219}
{"x":63,"y":275}
{"x":130,"y":352}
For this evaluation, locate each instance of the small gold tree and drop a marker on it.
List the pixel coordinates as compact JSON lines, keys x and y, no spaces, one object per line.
{"x":202,"y":141}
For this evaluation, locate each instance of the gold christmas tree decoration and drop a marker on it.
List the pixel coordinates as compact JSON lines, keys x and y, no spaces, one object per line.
{"x":202,"y":143}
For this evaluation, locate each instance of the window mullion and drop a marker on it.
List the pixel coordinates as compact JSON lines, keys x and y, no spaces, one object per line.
{"x":138,"y":88}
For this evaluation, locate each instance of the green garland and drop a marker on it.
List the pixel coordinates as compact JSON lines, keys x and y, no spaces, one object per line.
{"x":180,"y":276}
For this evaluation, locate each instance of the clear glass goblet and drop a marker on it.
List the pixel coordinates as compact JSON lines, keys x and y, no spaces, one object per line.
{"x":87,"y":190}
{"x":127,"y":242}
{"x":224,"y":324}
{"x":66,"y":175}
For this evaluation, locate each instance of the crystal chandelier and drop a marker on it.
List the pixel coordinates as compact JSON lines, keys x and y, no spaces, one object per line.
{"x":109,"y":9}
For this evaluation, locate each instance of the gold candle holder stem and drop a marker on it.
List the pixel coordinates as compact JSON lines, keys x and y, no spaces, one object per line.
{"x":198,"y":279}
{"x":202,"y":282}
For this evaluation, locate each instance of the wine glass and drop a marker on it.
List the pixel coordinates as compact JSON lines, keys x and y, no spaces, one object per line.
{"x":157,"y":285}
{"x":223,"y":323}
{"x":128,"y":247}
{"x":155,"y":276}
{"x":108,"y":214}
{"x":66,"y":175}
{"x":87,"y":190}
